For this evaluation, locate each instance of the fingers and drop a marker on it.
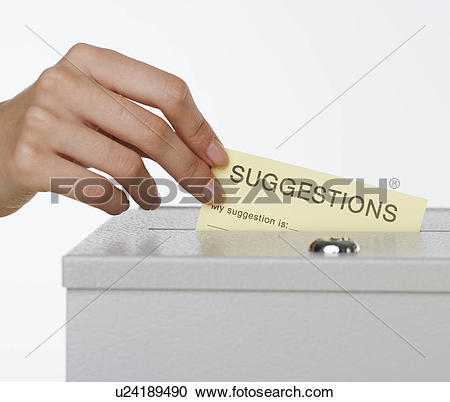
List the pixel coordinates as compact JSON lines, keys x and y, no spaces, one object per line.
{"x":80,"y":184}
{"x":95,"y":150}
{"x":134,"y":125}
{"x":151,"y":86}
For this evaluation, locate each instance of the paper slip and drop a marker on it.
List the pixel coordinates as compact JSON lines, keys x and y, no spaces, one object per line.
{"x":267,"y":195}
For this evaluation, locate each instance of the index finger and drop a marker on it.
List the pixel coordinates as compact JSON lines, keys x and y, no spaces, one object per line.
{"x":156,"y":88}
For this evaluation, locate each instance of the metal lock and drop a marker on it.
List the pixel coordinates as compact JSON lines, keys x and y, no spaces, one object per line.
{"x":334,"y":245}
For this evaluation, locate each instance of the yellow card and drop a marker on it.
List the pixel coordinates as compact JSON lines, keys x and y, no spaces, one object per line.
{"x":266,"y":195}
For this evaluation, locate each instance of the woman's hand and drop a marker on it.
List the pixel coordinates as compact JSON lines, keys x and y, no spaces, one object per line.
{"x":80,"y":113}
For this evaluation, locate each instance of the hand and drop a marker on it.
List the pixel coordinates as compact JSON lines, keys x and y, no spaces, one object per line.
{"x":80,"y":113}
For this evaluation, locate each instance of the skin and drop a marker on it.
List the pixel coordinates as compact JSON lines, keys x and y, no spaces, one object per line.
{"x":80,"y":113}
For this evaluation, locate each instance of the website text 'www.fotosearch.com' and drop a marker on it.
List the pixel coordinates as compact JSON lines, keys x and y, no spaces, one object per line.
{"x":234,"y":391}
{"x":246,"y":392}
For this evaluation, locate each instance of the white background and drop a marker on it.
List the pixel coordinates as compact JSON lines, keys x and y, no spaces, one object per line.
{"x":342,"y":391}
{"x":258,"y":70}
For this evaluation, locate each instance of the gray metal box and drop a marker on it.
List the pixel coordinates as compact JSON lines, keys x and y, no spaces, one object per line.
{"x":151,"y":299}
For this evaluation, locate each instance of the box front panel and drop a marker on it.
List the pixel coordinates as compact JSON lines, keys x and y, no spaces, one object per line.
{"x":143,"y":335}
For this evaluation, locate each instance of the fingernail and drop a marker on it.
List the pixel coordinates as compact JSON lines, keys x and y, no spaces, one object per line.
{"x":156,"y":202}
{"x":213,"y":192}
{"x":216,"y":153}
{"x":152,"y":201}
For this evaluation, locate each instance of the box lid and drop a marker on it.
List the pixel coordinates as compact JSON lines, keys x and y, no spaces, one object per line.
{"x":162,"y":250}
